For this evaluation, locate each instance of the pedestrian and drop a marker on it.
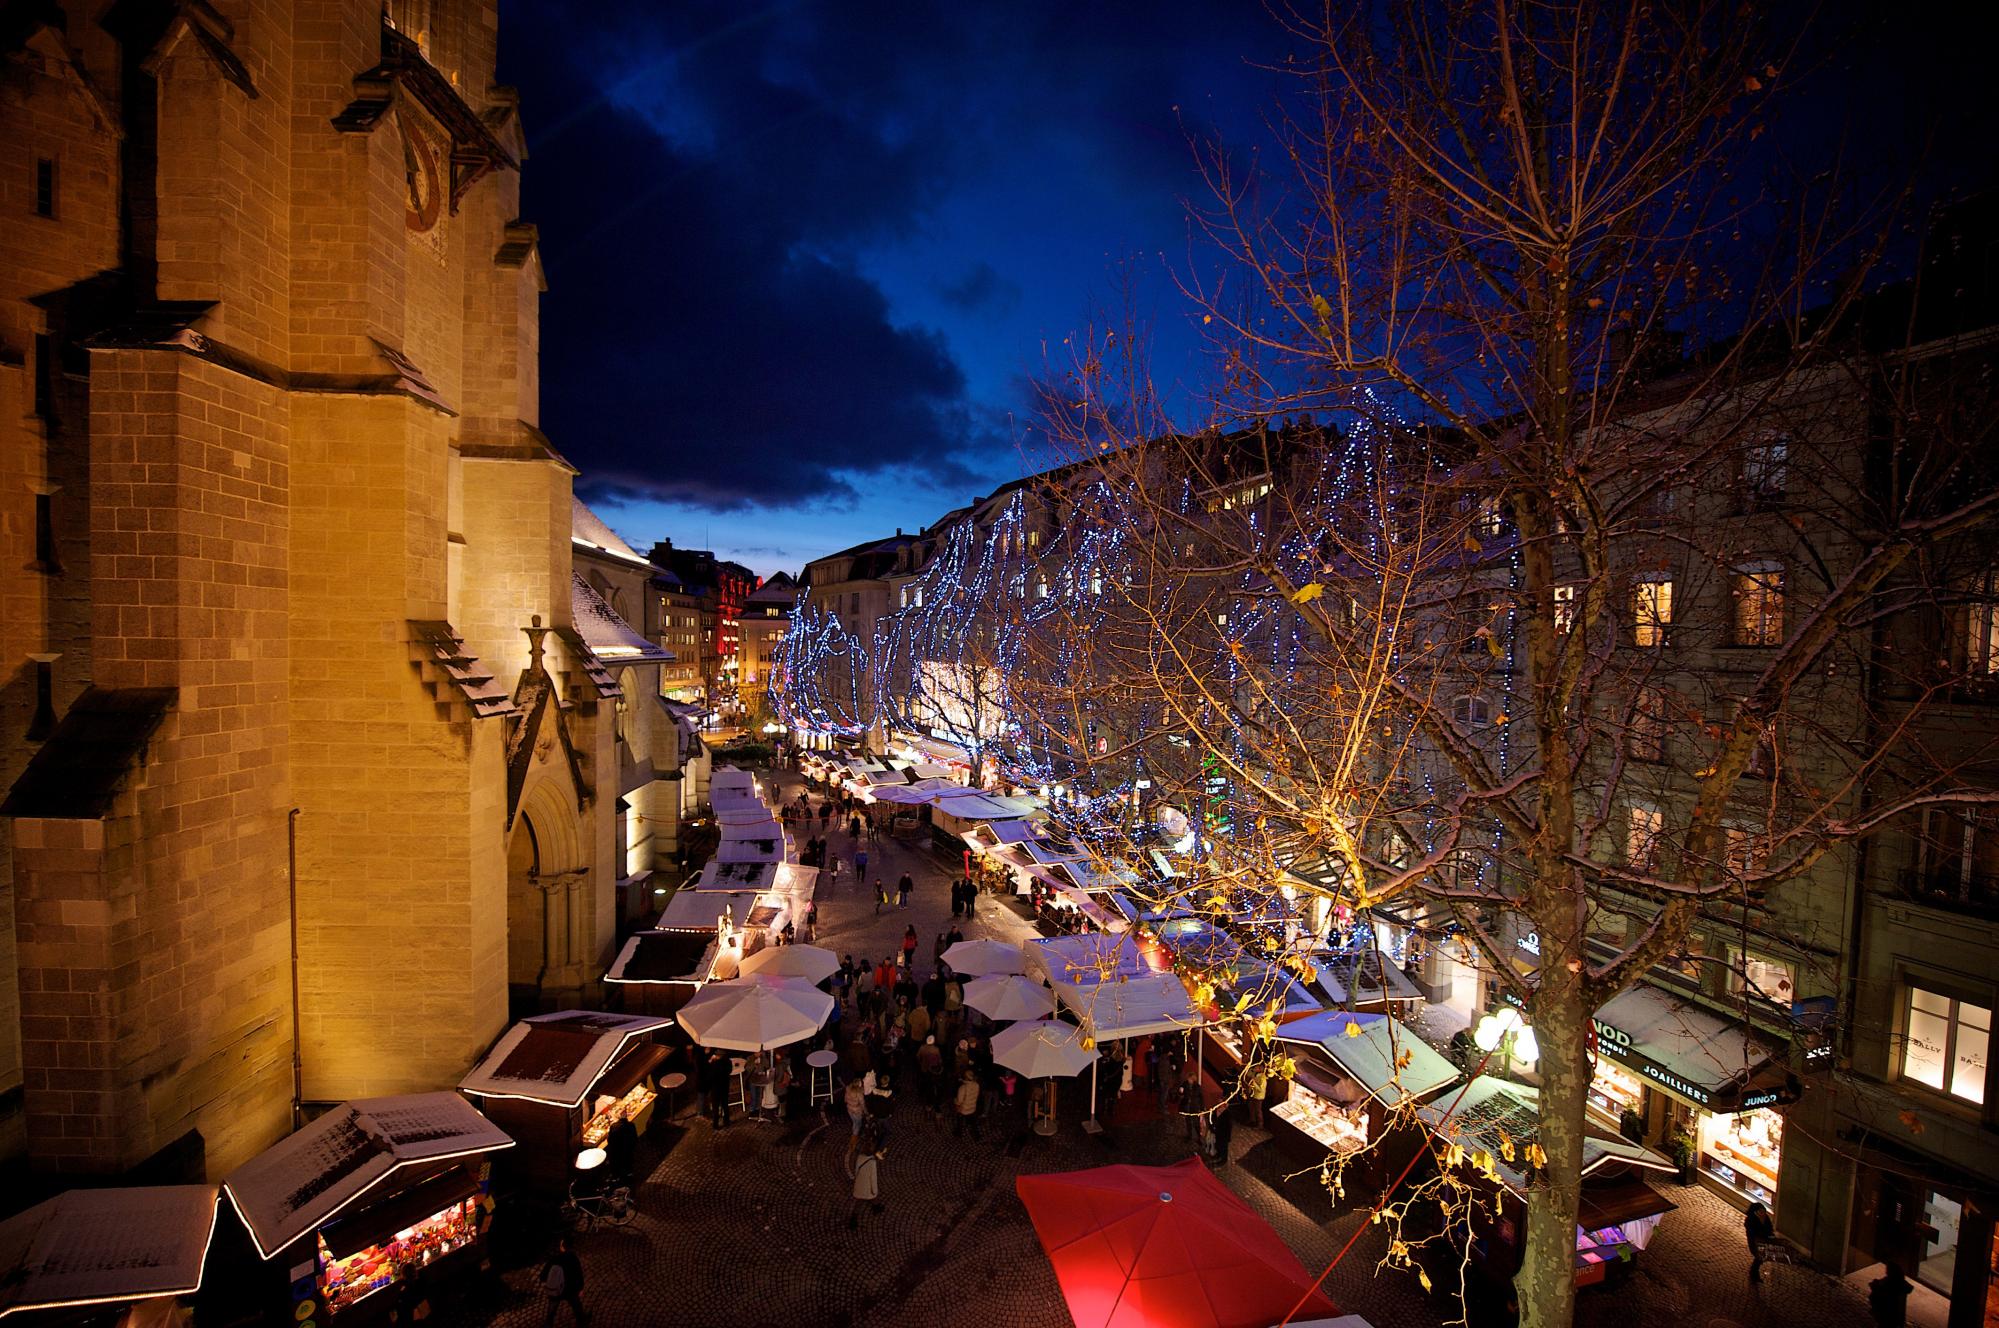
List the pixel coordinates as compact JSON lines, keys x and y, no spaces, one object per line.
{"x":881,"y":896}
{"x":864,"y":986}
{"x":1221,"y":1130}
{"x":860,"y":863}
{"x":811,"y":921}
{"x":825,"y":814}
{"x":715,"y":1087}
{"x":902,"y":889}
{"x":856,"y":1099}
{"x":562,"y":1283}
{"x":937,"y":948}
{"x":1760,"y":1230}
{"x":621,"y":1149}
{"x":930,"y":1064}
{"x":1888,"y":1296}
{"x":867,"y":1182}
{"x":832,"y":871}
{"x":933,"y":991}
{"x":908,"y":938}
{"x":967,"y":1103}
{"x":957,"y":899}
{"x":1255,"y":1087}
{"x":854,"y":829}
{"x":916,"y":1023}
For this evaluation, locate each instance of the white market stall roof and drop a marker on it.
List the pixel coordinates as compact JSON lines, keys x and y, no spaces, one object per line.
{"x":1097,"y":880}
{"x":971,"y":807}
{"x":1475,"y":1114}
{"x":105,"y":1247}
{"x":1084,"y":957}
{"x":990,"y":834}
{"x":695,"y":909}
{"x":555,"y":1058}
{"x":668,"y":955}
{"x":739,"y":826}
{"x":1372,"y":1053}
{"x":735,"y":876}
{"x":732,"y":777}
{"x":1366,"y":978}
{"x":770,"y":851}
{"x":1129,"y":1007}
{"x":736,"y":800}
{"x":754,"y":813}
{"x":300,"y":1183}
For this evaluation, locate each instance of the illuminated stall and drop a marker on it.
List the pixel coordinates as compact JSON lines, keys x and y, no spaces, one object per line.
{"x":558,"y":1082}
{"x":1498,"y":1122}
{"x":1354,"y":1070}
{"x":367,"y":1196}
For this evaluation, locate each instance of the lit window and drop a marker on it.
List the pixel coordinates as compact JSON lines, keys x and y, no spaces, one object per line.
{"x":1471,"y":711}
{"x":1763,"y":977}
{"x":1651,"y":611}
{"x":1759,"y":605}
{"x":1980,"y":635}
{"x":1946,"y":1042}
{"x":1565,"y":608}
{"x":1641,"y":840}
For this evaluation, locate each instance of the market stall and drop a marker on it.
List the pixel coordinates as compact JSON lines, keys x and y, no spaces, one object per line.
{"x":106,"y":1251}
{"x":1364,"y":979}
{"x":1087,"y":956}
{"x":1499,"y":1121}
{"x":657,"y":971}
{"x":364,"y":1196}
{"x":1354,"y":1070}
{"x":558,"y":1082}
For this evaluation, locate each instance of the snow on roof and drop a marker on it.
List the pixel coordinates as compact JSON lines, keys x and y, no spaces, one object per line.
{"x":555,"y":1058}
{"x":588,"y":529}
{"x":106,"y":1246}
{"x":1383,"y":1055}
{"x":1085,"y":957}
{"x":609,"y":637}
{"x":1128,"y":1007}
{"x":299,"y":1183}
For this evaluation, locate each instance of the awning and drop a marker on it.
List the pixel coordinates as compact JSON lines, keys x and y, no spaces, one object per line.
{"x":1700,"y":1057}
{"x":630,"y":1070}
{"x":1369,"y":1049}
{"x":1612,"y":1203}
{"x":379,"y":1223}
{"x":1366,"y":978}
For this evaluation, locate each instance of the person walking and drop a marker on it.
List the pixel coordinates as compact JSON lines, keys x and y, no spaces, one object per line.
{"x":1222,"y":1130}
{"x":902,"y":889}
{"x":832,"y":870}
{"x":562,"y":1283}
{"x":930,"y":1065}
{"x":860,"y":864}
{"x":867,"y":1182}
{"x":908,"y":935}
{"x":715,"y":1087}
{"x":856,"y":1098}
{"x":1760,"y":1231}
{"x":1888,"y":1296}
{"x":881,"y":896}
{"x":967,"y":1104}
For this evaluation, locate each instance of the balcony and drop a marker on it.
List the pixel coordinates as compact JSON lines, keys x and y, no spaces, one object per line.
{"x":1949,"y":888}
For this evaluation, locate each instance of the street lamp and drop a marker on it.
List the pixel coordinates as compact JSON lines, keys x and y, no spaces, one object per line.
{"x":1506,"y":1030}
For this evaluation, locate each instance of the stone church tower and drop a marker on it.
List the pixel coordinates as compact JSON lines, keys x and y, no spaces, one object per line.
{"x":287,"y":590}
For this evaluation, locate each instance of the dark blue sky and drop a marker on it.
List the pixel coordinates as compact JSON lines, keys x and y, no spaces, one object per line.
{"x":804,"y":259}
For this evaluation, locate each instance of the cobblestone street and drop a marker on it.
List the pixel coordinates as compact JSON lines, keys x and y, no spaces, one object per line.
{"x":747,"y":1226}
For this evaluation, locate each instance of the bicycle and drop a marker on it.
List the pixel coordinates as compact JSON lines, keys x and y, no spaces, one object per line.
{"x":612,"y":1207}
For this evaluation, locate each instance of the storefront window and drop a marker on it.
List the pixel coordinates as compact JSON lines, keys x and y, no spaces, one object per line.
{"x":1945,"y":1044}
{"x":1742,"y":1151}
{"x":1942,"y":1215}
{"x":1614,"y":1091}
{"x":1765,"y":978}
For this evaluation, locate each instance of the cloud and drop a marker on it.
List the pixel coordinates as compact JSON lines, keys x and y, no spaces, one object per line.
{"x":981,"y":287}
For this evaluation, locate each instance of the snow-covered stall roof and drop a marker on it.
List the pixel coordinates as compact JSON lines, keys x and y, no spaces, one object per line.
{"x":555,"y":1058}
{"x":1382,"y":1055}
{"x":105,"y":1247}
{"x":1129,"y":1007}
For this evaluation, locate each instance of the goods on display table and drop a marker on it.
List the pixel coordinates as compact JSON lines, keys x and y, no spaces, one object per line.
{"x":351,"y":1271}
{"x":1322,"y":1120}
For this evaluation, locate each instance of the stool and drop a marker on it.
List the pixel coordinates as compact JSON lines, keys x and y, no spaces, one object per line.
{"x":736,"y":1067}
{"x":822,"y":1063}
{"x":671,"y":1085}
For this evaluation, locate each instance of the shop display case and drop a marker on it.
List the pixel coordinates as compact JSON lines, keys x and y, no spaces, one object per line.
{"x":1324,"y":1122}
{"x":1743,"y":1151}
{"x":634,"y":1106}
{"x":348,"y":1276}
{"x":1614,"y":1090}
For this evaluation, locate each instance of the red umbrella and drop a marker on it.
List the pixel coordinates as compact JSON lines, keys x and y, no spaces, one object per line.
{"x":1164,"y":1247}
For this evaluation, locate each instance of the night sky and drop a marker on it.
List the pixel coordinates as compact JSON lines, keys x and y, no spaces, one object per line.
{"x":804,"y":260}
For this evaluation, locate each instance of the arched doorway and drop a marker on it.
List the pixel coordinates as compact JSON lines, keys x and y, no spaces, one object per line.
{"x":544,"y":867}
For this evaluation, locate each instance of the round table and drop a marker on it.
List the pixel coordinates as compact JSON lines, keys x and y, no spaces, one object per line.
{"x":822,"y":1063}
{"x":671,"y":1084}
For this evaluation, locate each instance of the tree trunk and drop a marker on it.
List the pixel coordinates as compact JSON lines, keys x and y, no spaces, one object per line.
{"x":1564,"y":1028}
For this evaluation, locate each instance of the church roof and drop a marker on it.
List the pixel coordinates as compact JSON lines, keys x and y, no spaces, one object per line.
{"x":588,"y":530}
{"x":609,"y":637}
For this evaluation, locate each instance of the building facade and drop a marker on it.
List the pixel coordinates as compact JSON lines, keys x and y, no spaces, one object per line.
{"x":296,"y":656}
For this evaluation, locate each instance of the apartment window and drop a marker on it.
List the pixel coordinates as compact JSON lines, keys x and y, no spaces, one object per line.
{"x":1960,"y":853}
{"x":1471,"y":711}
{"x":1033,"y":539}
{"x":1646,"y":827}
{"x":1763,"y":977}
{"x":45,"y":186}
{"x":1759,"y":605}
{"x":1945,"y":1042}
{"x":1488,"y":520}
{"x":1647,"y":737}
{"x":1651,"y":611}
{"x":1565,"y":609}
{"x":1765,"y":473}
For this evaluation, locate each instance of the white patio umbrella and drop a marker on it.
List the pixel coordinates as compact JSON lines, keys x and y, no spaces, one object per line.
{"x":1009,"y":996}
{"x":983,"y":958}
{"x":755,"y":1014}
{"x":1040,"y":1049}
{"x":807,"y":963}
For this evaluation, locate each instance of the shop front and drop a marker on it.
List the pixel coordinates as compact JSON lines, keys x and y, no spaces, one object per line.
{"x":558,"y":1083}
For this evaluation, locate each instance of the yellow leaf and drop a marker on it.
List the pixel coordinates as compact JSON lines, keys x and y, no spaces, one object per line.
{"x":1305,"y":594}
{"x":1353,"y":1028}
{"x":1424,"y":1278}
